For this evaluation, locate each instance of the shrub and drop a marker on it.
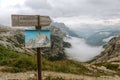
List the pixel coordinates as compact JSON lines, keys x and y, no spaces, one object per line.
{"x":66,"y":44}
{"x":53,"y":78}
{"x":111,"y":66}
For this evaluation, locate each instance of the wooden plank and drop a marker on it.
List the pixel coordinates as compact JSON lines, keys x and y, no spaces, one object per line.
{"x":30,"y":20}
{"x":24,"y":20}
{"x":45,"y":20}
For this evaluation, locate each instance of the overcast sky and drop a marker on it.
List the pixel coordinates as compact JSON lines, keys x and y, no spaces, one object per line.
{"x":70,"y":12}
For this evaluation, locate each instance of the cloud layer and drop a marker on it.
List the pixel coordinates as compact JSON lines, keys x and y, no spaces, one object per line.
{"x":81,"y":51}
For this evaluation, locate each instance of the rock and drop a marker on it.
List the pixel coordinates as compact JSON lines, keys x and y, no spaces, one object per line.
{"x":32,"y":75}
{"x":103,"y":68}
{"x":111,"y":52}
{"x":1,"y":78}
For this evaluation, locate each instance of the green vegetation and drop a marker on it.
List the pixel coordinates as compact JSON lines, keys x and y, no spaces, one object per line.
{"x":18,"y":62}
{"x":90,"y":61}
{"x":54,"y":57}
{"x":20,"y":38}
{"x":54,"y":78}
{"x":57,"y":78}
{"x":66,"y":44}
{"x":109,"y":65}
{"x":56,"y":52}
{"x":66,"y":66}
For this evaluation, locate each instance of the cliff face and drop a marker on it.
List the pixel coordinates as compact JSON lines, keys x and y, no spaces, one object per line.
{"x":109,"y":59}
{"x":65,"y":29}
{"x":56,"y":51}
{"x":111,"y":52}
{"x":13,"y":39}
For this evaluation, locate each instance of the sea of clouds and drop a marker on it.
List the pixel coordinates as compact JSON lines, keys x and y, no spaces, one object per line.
{"x":81,"y":51}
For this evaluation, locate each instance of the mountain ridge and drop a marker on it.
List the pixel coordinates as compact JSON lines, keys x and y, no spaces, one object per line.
{"x":65,"y":29}
{"x":111,"y":52}
{"x":56,"y":52}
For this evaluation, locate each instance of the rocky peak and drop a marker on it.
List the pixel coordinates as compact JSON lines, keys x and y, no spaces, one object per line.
{"x":38,"y":35}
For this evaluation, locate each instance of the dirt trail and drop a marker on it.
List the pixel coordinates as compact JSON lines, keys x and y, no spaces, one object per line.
{"x":32,"y":74}
{"x":79,"y":77}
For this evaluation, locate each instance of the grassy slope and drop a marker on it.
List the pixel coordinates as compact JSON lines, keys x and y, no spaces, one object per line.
{"x":18,"y":62}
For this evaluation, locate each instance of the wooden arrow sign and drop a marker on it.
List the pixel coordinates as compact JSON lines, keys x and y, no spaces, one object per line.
{"x":30,"y":20}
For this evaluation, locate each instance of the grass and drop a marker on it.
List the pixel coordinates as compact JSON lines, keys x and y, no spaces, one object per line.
{"x":66,"y":66}
{"x":57,"y":78}
{"x":109,"y":65}
{"x":19,"y":62}
{"x":16,"y":62}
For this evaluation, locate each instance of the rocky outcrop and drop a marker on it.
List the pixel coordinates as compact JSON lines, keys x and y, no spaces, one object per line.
{"x":111,"y":52}
{"x":65,"y":29}
{"x":14,"y":40}
{"x":109,"y":59}
{"x":60,"y":29}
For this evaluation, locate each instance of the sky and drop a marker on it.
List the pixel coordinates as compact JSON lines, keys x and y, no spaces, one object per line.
{"x":31,"y":34}
{"x":71,"y":12}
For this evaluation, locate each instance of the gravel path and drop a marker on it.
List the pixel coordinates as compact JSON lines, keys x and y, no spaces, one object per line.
{"x":31,"y":74}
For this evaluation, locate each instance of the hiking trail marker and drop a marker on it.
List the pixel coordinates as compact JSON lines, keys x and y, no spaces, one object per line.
{"x":33,"y":20}
{"x":30,"y":20}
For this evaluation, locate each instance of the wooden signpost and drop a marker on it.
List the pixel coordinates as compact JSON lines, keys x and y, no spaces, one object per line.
{"x":38,"y":22}
{"x":30,"y":20}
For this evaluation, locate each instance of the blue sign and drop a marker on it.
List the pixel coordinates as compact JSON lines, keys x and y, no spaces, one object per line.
{"x":37,"y":38}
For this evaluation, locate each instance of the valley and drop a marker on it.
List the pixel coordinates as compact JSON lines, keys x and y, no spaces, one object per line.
{"x":18,"y":62}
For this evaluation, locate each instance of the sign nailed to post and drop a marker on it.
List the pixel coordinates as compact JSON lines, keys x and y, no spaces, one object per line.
{"x":30,"y":20}
{"x":37,"y":38}
{"x":34,"y":38}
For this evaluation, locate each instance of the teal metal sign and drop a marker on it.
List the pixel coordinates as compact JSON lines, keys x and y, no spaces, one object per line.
{"x":37,"y":38}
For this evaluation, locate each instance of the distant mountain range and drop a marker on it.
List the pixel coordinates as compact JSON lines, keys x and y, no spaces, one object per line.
{"x":65,"y":29}
{"x":94,"y":36}
{"x":107,"y":62}
{"x":97,"y":36}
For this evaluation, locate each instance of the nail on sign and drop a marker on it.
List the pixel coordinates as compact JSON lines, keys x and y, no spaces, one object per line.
{"x":30,"y":20}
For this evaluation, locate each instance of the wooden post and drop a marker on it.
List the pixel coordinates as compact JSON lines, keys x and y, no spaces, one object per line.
{"x":32,"y":20}
{"x":39,"y":54}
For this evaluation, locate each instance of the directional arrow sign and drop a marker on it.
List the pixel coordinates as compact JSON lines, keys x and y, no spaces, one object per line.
{"x":45,"y":20}
{"x":30,"y":20}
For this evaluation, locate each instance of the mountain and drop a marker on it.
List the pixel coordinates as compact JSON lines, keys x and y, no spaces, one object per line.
{"x":111,"y":52}
{"x":13,"y":39}
{"x":65,"y":29}
{"x":96,"y":36}
{"x":42,"y":40}
{"x":109,"y":59}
